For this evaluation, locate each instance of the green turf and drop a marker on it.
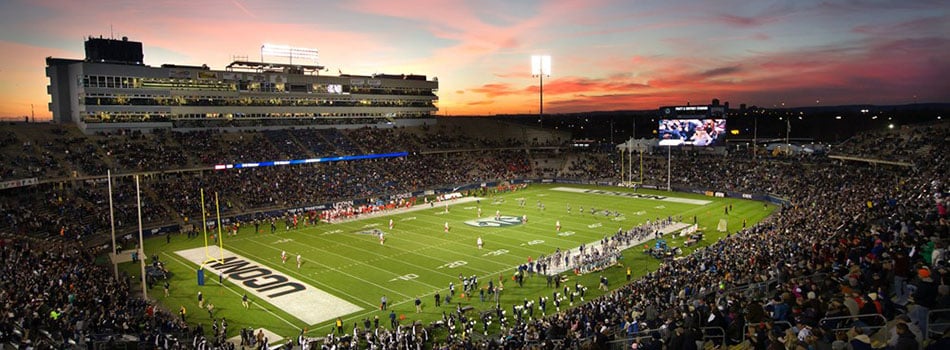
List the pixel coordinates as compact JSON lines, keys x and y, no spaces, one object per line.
{"x":355,"y":267}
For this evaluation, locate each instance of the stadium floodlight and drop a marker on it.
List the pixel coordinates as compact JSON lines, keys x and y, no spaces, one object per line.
{"x":540,"y":66}
{"x":289,"y":52}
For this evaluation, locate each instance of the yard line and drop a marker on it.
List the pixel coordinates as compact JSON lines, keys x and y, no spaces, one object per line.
{"x":411,"y":299}
{"x":258,"y":304}
{"x":288,"y":271}
{"x":453,"y":242}
{"x":519,"y":228}
{"x":381,"y":257}
{"x":522,"y":230}
{"x":416,"y":252}
{"x":358,"y":262}
{"x":407,"y":251}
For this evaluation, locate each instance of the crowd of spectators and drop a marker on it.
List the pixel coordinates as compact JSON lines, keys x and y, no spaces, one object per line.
{"x":855,"y":239}
{"x":906,"y":144}
{"x":26,"y":161}
{"x":593,"y":165}
{"x":73,"y":210}
{"x":54,"y":295}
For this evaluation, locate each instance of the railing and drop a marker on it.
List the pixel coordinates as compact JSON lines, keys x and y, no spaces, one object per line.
{"x":850,"y":321}
{"x":707,"y":335}
{"x":936,"y":326}
{"x":623,"y":341}
{"x":638,"y":337}
{"x":763,"y":286}
{"x":749,"y":328}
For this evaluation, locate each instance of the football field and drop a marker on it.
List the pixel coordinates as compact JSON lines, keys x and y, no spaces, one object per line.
{"x":345,"y":270}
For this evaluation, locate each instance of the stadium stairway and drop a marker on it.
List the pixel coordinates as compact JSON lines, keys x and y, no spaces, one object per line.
{"x":286,"y":143}
{"x":306,"y":151}
{"x":340,"y":141}
{"x":313,"y":144}
{"x":566,"y":164}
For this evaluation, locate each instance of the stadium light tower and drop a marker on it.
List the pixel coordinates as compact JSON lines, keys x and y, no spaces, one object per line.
{"x":755,"y":135}
{"x":289,"y":52}
{"x":540,"y":66}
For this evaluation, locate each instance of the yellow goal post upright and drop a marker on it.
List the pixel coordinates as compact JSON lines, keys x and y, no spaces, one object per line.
{"x":629,"y":147}
{"x":209,"y":258}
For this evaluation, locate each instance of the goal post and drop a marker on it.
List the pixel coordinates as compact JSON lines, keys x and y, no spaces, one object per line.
{"x":217,"y":239}
{"x":635,"y":151}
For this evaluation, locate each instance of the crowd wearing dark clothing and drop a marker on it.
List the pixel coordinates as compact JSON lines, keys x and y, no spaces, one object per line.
{"x":853,"y":239}
{"x":55,"y":295}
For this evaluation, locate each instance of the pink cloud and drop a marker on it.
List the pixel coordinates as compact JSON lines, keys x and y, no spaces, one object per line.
{"x":741,"y":21}
{"x":494,"y":89}
{"x":608,"y":54}
{"x":886,"y":71}
{"x":573,"y":85}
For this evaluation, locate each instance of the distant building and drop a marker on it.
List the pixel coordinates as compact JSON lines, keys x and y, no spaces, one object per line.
{"x":113,"y":89}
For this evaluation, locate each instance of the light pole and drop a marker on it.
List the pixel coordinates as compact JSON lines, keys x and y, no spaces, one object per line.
{"x":289,"y":52}
{"x":141,"y":247}
{"x":621,"y":163}
{"x":540,"y":66}
{"x":755,"y":135}
{"x":788,"y":130}
{"x":115,"y":252}
{"x":669,"y":167}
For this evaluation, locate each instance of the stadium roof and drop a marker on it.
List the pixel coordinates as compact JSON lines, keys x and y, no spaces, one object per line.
{"x":266,"y":66}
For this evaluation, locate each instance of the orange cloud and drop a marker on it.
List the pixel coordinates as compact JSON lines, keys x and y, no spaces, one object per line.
{"x":494,"y":90}
{"x":23,"y":87}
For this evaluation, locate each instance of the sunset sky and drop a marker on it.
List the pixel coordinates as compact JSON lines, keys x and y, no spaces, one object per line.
{"x":606,"y":54}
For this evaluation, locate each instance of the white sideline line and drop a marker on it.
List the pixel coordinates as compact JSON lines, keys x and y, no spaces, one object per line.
{"x":417,"y":207}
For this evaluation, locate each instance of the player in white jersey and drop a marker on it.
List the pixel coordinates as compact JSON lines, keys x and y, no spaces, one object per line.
{"x":283,"y":257}
{"x":391,"y":224}
{"x":479,"y":242}
{"x":558,"y":225}
{"x":446,"y":227}
{"x":299,"y":261}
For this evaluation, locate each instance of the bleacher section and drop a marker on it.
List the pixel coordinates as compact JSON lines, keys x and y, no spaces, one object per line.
{"x":343,"y":145}
{"x":859,"y":248}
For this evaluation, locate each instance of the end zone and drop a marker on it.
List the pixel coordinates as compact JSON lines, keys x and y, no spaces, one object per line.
{"x":301,"y":300}
{"x":633,"y":195}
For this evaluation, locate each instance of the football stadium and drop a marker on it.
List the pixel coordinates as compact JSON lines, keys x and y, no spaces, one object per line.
{"x":273,"y":205}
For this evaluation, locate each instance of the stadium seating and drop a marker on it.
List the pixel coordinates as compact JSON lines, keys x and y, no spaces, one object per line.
{"x":853,"y":239}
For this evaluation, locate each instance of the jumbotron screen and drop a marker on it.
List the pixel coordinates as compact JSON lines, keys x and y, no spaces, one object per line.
{"x":696,"y":132}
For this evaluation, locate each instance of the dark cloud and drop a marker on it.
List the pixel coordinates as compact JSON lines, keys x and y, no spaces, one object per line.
{"x":715,"y":72}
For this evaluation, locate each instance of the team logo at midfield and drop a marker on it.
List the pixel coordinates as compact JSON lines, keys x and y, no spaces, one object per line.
{"x":491,"y":222}
{"x":373,"y":232}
